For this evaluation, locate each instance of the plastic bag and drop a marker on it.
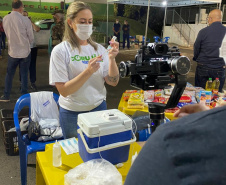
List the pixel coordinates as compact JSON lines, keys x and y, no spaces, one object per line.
{"x":94,"y":172}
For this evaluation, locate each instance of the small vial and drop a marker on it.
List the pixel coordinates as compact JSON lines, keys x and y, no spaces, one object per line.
{"x":109,"y":47}
{"x":57,"y":161}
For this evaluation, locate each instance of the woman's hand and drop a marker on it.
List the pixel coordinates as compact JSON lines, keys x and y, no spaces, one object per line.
{"x":113,"y":52}
{"x":190,"y":109}
{"x":94,"y":64}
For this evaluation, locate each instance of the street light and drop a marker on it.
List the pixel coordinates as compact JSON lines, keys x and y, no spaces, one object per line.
{"x":164,"y":3}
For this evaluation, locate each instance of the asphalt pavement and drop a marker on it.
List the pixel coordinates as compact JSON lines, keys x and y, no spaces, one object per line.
{"x":10,"y":170}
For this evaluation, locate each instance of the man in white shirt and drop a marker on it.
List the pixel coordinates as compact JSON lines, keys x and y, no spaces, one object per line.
{"x":20,"y":36}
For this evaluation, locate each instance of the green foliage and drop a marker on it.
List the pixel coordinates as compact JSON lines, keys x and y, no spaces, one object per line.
{"x":132,"y":12}
{"x":156,"y":19}
{"x":115,"y":9}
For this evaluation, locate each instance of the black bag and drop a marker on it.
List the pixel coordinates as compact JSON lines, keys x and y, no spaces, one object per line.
{"x":34,"y":131}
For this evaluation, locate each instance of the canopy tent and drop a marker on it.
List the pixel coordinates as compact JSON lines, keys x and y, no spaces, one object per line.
{"x":154,"y":3}
{"x":163,"y":3}
{"x":170,"y":3}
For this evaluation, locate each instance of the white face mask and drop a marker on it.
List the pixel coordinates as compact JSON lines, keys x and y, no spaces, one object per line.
{"x":84,"y":31}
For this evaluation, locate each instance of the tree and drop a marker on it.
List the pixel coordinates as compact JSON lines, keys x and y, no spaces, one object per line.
{"x":156,"y":18}
{"x":119,"y":9}
{"x":116,"y":9}
{"x":132,"y":12}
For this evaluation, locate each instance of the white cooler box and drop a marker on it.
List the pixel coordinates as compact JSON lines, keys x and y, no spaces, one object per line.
{"x":107,"y":134}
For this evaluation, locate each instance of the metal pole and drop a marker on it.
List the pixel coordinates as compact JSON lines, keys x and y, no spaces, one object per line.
{"x":189,"y":15}
{"x":223,"y":12}
{"x":107,"y":21}
{"x":220,"y":4}
{"x":164,"y":21}
{"x":40,"y":4}
{"x":146,"y":30}
{"x":173,"y":16}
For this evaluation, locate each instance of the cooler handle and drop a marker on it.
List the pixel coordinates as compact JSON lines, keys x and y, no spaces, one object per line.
{"x":106,"y":147}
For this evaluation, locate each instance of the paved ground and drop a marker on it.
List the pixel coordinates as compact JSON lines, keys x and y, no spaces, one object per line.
{"x":10,"y":170}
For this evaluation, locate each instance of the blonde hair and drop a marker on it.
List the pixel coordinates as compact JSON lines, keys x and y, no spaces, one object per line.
{"x":69,"y":34}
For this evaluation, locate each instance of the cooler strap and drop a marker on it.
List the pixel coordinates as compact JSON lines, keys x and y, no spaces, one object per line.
{"x":106,"y":147}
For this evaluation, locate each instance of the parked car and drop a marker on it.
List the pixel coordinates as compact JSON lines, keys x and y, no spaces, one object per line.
{"x":42,"y":37}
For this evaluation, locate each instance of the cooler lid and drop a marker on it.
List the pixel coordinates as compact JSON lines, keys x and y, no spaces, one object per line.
{"x":105,"y":122}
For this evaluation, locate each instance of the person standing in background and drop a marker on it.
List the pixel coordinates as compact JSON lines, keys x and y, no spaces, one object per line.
{"x":3,"y":36}
{"x":56,"y":30}
{"x":1,"y":28}
{"x":20,"y":36}
{"x":34,"y":51}
{"x":206,"y":51}
{"x":126,"y":29}
{"x":116,"y":29}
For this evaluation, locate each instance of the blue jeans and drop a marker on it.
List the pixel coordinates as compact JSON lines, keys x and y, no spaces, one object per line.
{"x":3,"y":40}
{"x":68,"y":120}
{"x":203,"y":73}
{"x":11,"y":69}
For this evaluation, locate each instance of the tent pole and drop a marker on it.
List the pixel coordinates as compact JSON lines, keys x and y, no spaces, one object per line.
{"x":223,"y":10}
{"x":220,"y":5}
{"x":145,"y":37}
{"x":164,"y":21}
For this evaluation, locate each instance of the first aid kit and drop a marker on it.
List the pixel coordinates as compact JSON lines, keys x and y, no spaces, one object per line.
{"x":105,"y":134}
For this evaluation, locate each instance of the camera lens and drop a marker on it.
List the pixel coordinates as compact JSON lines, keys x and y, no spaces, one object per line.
{"x":180,"y":65}
{"x":161,"y":49}
{"x":122,"y":69}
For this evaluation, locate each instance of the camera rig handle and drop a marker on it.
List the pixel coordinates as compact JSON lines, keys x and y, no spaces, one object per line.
{"x":157,"y":110}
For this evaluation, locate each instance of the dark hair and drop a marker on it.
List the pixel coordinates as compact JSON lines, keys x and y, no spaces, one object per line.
{"x":16,"y":4}
{"x":26,"y":12}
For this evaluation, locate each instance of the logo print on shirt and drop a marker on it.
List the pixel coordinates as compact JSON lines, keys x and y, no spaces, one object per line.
{"x":84,"y":59}
{"x":46,"y":103}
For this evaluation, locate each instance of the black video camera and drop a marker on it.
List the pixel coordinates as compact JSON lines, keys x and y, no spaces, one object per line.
{"x":155,"y":66}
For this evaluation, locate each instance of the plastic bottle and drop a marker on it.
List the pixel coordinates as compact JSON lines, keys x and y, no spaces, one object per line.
{"x":215,"y":86}
{"x":57,"y":161}
{"x":209,"y":85}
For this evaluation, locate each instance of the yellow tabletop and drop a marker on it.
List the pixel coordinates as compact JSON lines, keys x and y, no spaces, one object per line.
{"x":123,"y":107}
{"x":47,"y":174}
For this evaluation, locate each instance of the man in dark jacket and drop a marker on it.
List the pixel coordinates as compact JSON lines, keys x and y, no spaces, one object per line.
{"x":126,"y":29}
{"x":206,"y":51}
{"x":116,"y":29}
{"x":189,"y":150}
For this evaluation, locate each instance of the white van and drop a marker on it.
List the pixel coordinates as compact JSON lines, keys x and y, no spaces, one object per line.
{"x":42,"y":37}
